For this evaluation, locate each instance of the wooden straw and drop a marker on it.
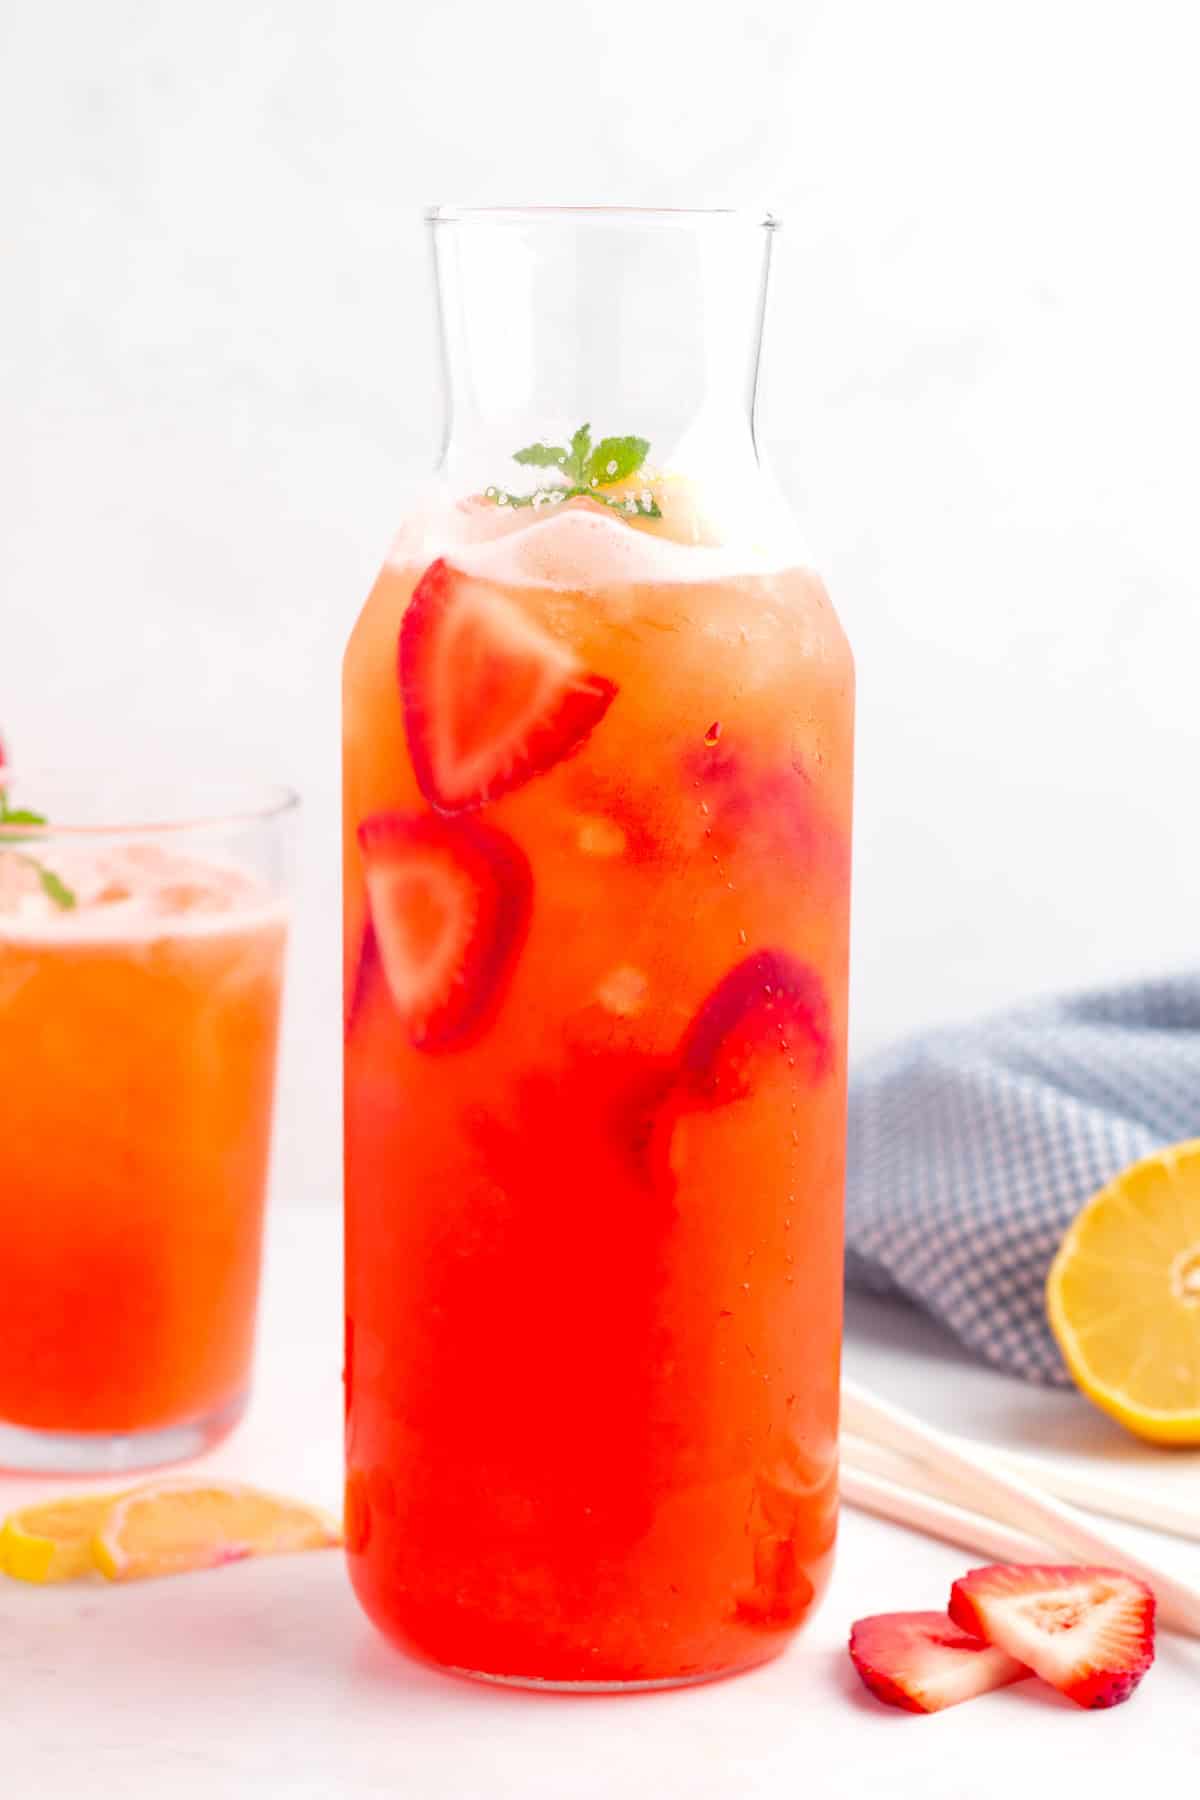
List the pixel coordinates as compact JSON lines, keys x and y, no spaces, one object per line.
{"x":903,"y":1505}
{"x":1023,"y":1507}
{"x":1076,"y":1486}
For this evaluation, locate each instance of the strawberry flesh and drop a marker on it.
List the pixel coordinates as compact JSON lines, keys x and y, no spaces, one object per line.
{"x":782,"y":1592}
{"x":769,"y":1006}
{"x":1089,"y":1632}
{"x":490,"y":698}
{"x":923,"y":1661}
{"x":449,"y":903}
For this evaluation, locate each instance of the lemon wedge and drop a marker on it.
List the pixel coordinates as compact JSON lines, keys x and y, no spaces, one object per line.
{"x":52,"y":1541}
{"x":168,"y":1527}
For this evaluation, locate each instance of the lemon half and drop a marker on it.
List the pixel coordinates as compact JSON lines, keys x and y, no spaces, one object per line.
{"x":1123,"y":1297}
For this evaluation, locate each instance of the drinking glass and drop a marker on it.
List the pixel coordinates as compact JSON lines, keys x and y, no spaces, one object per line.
{"x":142,"y":936}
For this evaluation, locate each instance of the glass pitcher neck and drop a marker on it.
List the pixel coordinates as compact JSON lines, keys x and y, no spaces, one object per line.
{"x":635,"y":323}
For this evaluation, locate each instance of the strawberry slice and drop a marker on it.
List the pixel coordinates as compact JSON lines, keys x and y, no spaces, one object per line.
{"x":490,"y":699}
{"x":449,"y":903}
{"x":923,"y":1661}
{"x":768,"y":1005}
{"x":782,"y":1592}
{"x":1088,"y":1632}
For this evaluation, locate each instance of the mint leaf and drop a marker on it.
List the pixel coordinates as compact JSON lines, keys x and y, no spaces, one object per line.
{"x":581,"y":444}
{"x":16,"y":815}
{"x":639,"y":506}
{"x":616,"y":458}
{"x":541,"y":456}
{"x":586,"y":470}
{"x":57,"y":890}
{"x":540,"y":496}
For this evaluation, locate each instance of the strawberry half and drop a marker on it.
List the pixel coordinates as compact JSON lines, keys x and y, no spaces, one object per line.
{"x":449,"y":903}
{"x":1088,"y":1632}
{"x":490,"y":699}
{"x":923,"y":1661}
{"x":768,"y":1005}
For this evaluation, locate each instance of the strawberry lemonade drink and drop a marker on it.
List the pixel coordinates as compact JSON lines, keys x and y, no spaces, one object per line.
{"x":597,"y":834}
{"x":140,"y":979}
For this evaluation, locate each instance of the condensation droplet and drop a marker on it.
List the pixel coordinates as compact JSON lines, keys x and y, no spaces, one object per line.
{"x":741,"y":937}
{"x":713,"y":734}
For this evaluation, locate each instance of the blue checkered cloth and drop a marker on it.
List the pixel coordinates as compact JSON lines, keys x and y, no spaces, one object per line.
{"x":972,"y":1148}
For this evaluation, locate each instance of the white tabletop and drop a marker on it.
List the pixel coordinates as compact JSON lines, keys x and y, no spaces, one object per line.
{"x":264,"y":1678}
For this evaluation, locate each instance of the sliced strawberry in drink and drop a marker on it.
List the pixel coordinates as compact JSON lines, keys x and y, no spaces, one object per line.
{"x":923,"y":1661}
{"x":490,"y":699}
{"x":769,"y":1006}
{"x":449,"y":903}
{"x":357,"y":962}
{"x":1088,"y":1632}
{"x":782,"y":1592}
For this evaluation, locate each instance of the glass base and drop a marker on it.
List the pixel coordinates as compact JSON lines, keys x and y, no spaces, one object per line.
{"x":24,"y":1451}
{"x":620,"y":1687}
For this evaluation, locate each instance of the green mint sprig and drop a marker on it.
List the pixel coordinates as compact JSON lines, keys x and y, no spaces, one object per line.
{"x":52,"y":886}
{"x":587,"y":469}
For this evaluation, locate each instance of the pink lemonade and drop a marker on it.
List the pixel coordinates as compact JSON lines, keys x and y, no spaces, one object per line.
{"x":595,"y":1091}
{"x":137,"y":1058}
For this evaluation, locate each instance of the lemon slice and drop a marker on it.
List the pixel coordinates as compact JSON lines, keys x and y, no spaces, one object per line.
{"x":1123,"y":1297}
{"x":53,"y":1541}
{"x":168,"y":1527}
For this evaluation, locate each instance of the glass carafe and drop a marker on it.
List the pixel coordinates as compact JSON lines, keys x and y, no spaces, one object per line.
{"x":598,"y":745}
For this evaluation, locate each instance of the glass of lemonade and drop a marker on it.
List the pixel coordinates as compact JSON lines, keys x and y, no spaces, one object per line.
{"x":142,"y":937}
{"x":597,"y":764}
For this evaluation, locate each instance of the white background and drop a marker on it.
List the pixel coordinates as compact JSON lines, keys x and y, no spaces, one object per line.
{"x":216,"y":382}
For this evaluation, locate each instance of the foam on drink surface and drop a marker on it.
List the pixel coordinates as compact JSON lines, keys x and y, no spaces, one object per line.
{"x":577,"y":546}
{"x":131,"y":891}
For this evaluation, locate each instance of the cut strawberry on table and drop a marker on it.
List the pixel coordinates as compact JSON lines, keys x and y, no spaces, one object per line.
{"x":449,"y":903}
{"x":769,"y":1005}
{"x":1088,"y":1632}
{"x":923,"y":1661}
{"x":490,"y":699}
